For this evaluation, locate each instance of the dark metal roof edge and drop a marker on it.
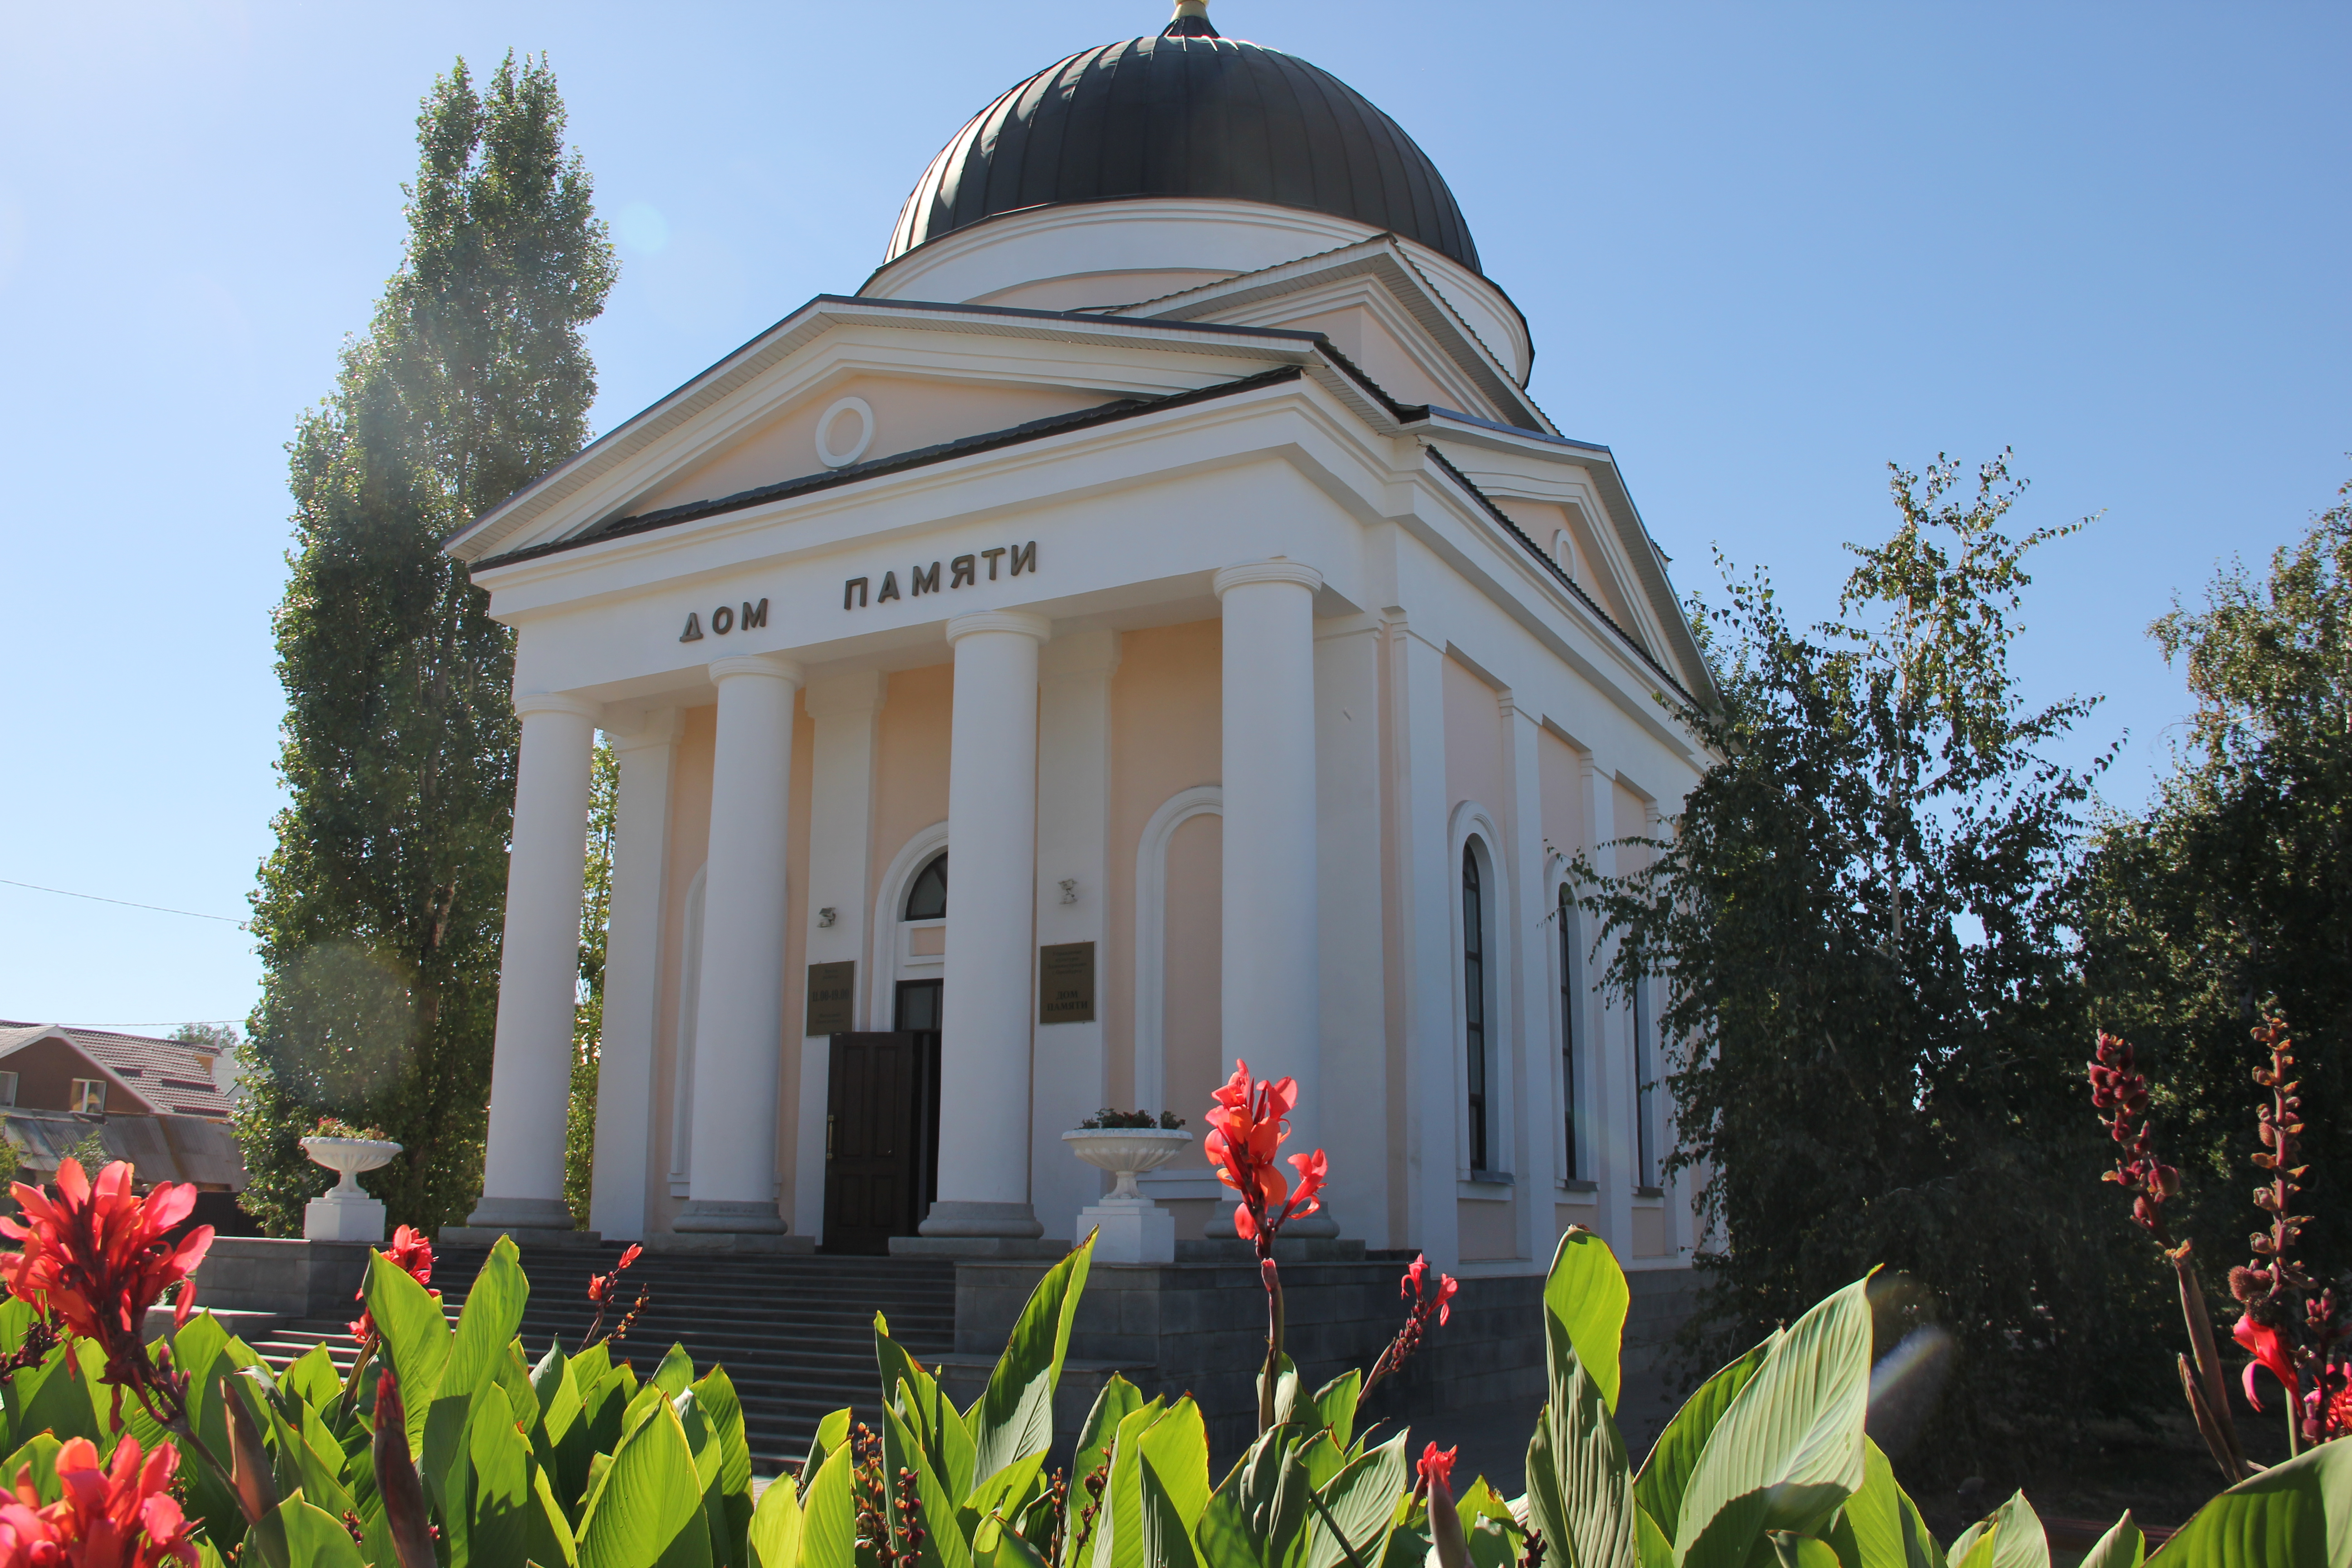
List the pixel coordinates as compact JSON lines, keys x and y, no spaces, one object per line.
{"x":822,"y":302}
{"x":920,"y":458}
{"x":1487,"y":503}
{"x":1438,"y":410}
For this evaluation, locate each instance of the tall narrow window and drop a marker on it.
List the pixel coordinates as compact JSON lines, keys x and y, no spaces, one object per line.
{"x":1568,"y":1167}
{"x":1474,"y":1002}
{"x":1645,"y":1088}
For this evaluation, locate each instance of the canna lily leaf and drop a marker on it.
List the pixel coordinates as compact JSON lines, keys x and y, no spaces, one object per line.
{"x":498,"y":1496}
{"x":774,"y":1539}
{"x":493,"y":1311}
{"x":2297,"y":1513}
{"x":300,"y":1532}
{"x":829,"y":1516}
{"x":1587,"y":1295}
{"x":831,"y":1432}
{"x":2121,"y":1547}
{"x":1013,"y":1418}
{"x":1494,"y":1537}
{"x":1167,"y":1538}
{"x":1117,"y":1401}
{"x":1789,"y":1449}
{"x":415,"y":1336}
{"x":2010,"y":1537}
{"x":646,"y":1509}
{"x":1881,"y":1525}
{"x":944,"y":1544}
{"x":1659,"y":1487}
{"x":1360,"y":1500}
{"x":727,"y":1500}
{"x":1333,"y":1406}
{"x":549,"y":1530}
{"x":676,"y":1373}
{"x":1656,"y":1550}
{"x":1583,"y":1498}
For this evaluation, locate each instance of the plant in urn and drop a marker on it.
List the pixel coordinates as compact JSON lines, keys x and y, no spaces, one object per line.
{"x":346,"y":1213}
{"x":1128,"y":1227}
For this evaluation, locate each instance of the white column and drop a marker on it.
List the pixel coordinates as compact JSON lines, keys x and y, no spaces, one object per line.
{"x":645,"y":745}
{"x":991,"y":961}
{"x":1532,"y":1107}
{"x":1352,"y":965}
{"x":1272,"y":1001}
{"x":739,"y":1031}
{"x":846,"y":709}
{"x":1429,"y":892}
{"x":1072,"y":848}
{"x":539,"y":970}
{"x":1610,"y":1123}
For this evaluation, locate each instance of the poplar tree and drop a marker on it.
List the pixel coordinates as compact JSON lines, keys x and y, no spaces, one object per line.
{"x":379,"y":912}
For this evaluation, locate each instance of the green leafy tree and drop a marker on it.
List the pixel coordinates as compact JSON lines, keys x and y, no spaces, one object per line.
{"x":1861,"y":925}
{"x":2234,"y":889}
{"x":588,"y":1015}
{"x":378,"y":913}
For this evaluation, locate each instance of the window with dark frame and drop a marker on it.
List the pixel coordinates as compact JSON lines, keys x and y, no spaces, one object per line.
{"x":1567,"y":1033}
{"x":1645,"y":1089}
{"x":1473,"y":1002}
{"x":927,"y":895}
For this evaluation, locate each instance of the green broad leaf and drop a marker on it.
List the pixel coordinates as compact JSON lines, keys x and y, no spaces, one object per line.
{"x":1589,"y":1493}
{"x":208,"y":1555}
{"x":944,"y":1545}
{"x":2019,"y":1539}
{"x":700,"y":1440}
{"x":1225,"y":1536}
{"x":829,"y":1517}
{"x":831,"y":1432}
{"x":727,"y":1501}
{"x":1177,"y":1445}
{"x":1493,"y":1537}
{"x":607,"y":1405}
{"x":774,"y":1541}
{"x":1320,"y":1458}
{"x":937,"y":1425}
{"x":1015,"y":1416}
{"x":590,"y":1366}
{"x":311,"y":1377}
{"x":1165,"y":1535}
{"x":415,"y":1336}
{"x":499,"y":1493}
{"x":675,"y":1375}
{"x":1801,"y":1551}
{"x":647,"y":1508}
{"x":442,"y":1463}
{"x":560,"y":1440}
{"x":1285,"y":1392}
{"x":39,"y":1455}
{"x":15,"y":1318}
{"x":2121,"y":1547}
{"x":995,"y":1546}
{"x":1973,"y":1547}
{"x":300,"y":1532}
{"x":1656,"y":1550}
{"x":1409,"y":1543}
{"x":550,"y":1528}
{"x":1881,"y":1526}
{"x":1333,"y":1406}
{"x":1117,"y":1541}
{"x":2291,"y":1514}
{"x":308,"y":1460}
{"x":207,"y":1355}
{"x":478,"y":1351}
{"x":1117,"y":1401}
{"x":1789,"y":1451}
{"x":56,"y":1398}
{"x":1586,"y":1294}
{"x":1361,"y":1501}
{"x":1659,"y":1487}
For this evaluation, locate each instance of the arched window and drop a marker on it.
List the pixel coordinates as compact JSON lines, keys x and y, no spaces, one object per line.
{"x":927,"y":895}
{"x":1645,"y":1088}
{"x":1474,"y":1001}
{"x":1567,"y":1031}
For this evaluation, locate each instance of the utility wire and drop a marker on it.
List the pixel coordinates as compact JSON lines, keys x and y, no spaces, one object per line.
{"x":126,"y":903}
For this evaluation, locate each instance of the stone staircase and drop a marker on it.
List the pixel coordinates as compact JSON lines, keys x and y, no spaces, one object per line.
{"x":794,"y":1334}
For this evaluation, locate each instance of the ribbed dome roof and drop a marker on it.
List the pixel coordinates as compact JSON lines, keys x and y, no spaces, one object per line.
{"x":1187,"y":113}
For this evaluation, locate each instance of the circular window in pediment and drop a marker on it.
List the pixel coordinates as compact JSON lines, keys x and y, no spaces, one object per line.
{"x":844,"y":432}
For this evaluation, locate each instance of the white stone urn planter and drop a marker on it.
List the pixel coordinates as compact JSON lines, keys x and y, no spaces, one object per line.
{"x":346,"y":1213}
{"x":1130,"y":1227}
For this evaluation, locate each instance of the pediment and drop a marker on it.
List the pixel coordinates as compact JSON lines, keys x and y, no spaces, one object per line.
{"x":846,"y":382}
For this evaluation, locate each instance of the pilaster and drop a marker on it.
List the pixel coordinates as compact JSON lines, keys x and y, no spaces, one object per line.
{"x":1349,"y":899}
{"x":1610,"y":1123}
{"x":1534,"y":1104}
{"x":1426,"y":896}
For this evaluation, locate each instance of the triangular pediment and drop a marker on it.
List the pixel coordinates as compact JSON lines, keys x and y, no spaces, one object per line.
{"x":846,"y":383}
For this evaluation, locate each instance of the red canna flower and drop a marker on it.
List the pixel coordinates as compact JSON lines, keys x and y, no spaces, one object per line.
{"x":2269,"y":1348}
{"x":96,"y":1257}
{"x":1247,"y":1126}
{"x":1434,"y":1469}
{"x":124,"y":1516}
{"x":412,"y":1252}
{"x":631,"y":1256}
{"x":1414,"y":1288}
{"x":605,"y":1288}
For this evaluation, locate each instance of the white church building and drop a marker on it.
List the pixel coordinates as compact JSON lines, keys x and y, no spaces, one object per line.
{"x":1163,"y":542}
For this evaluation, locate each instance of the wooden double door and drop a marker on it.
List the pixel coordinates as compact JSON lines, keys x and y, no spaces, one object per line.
{"x":882,"y":1127}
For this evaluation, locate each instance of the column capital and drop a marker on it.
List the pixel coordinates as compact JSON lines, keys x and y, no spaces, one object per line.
{"x":1278,"y":570}
{"x":635,"y":729}
{"x":527,"y":702}
{"x":1021,"y":621}
{"x":773,"y":667}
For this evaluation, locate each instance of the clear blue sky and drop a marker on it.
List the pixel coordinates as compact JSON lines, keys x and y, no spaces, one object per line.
{"x":1764,"y":250}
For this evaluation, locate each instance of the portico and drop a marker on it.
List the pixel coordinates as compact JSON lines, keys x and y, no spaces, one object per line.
{"x":1025,"y":706}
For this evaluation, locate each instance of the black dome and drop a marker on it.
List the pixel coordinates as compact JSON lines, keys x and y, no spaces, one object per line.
{"x":1186,"y":113}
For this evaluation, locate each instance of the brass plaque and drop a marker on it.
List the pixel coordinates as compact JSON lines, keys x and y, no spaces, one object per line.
{"x":832,"y":995}
{"x":1066,"y":982}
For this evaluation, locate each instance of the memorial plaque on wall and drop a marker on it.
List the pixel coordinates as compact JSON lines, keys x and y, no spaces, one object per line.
{"x":1066,"y":982}
{"x":832,"y":991}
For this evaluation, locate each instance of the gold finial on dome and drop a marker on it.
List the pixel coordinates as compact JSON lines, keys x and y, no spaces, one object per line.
{"x":1191,"y":21}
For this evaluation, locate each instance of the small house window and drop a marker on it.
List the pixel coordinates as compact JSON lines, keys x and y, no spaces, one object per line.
{"x":7,"y":1088}
{"x":90,"y":1096}
{"x":1474,"y":1002}
{"x":927,"y":895}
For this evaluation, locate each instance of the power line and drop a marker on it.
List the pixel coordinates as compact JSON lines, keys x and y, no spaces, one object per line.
{"x":126,"y":903}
